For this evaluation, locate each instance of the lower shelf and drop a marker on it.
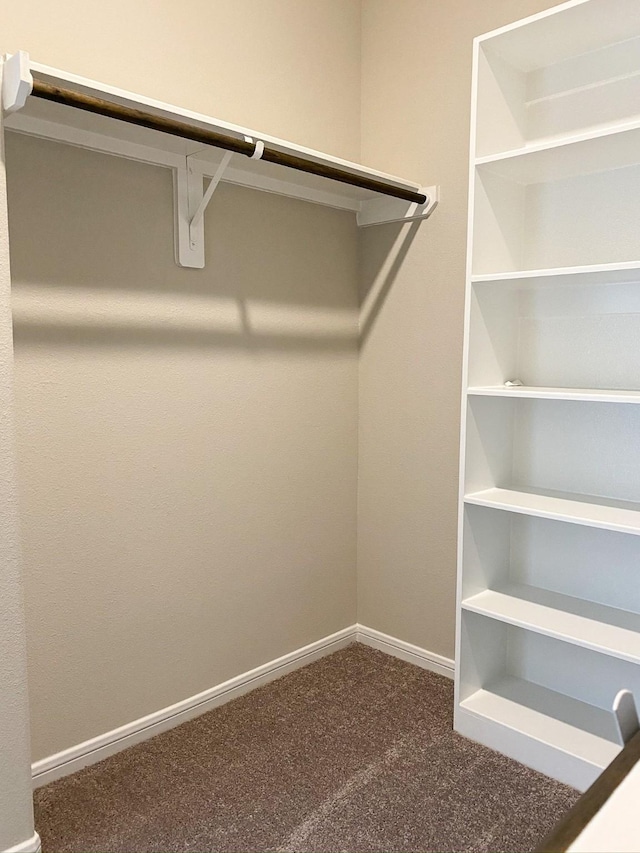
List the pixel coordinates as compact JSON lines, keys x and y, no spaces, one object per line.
{"x":623,"y":516}
{"x":566,"y":738}
{"x":593,"y":395}
{"x":574,"y":620}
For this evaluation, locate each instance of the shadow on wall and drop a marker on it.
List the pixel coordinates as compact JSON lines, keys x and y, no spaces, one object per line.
{"x":380,"y":262}
{"x":93,"y":263}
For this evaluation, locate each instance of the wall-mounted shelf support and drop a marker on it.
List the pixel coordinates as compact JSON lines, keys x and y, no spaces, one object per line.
{"x":208,"y":195}
{"x":17,"y":82}
{"x":77,"y":111}
{"x":190,"y":203}
{"x":378,"y":211}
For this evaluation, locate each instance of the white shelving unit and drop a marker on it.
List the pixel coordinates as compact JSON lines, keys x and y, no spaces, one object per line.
{"x":549,"y":553}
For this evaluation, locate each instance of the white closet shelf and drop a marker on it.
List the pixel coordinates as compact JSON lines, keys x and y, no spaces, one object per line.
{"x":621,"y":516}
{"x":584,"y":623}
{"x":192,"y":161}
{"x":569,"y":725}
{"x":563,"y":32}
{"x":560,"y":141}
{"x":592,"y":274}
{"x":588,"y":395}
{"x":566,"y":157}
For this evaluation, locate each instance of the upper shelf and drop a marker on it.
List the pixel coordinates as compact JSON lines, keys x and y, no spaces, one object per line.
{"x":563,"y":32}
{"x":583,"y":154}
{"x":569,"y":71}
{"x":59,"y":122}
{"x":589,"y":274}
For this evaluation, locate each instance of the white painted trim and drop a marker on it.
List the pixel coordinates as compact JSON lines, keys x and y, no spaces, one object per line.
{"x":91,"y":751}
{"x":405,"y":651}
{"x":31,"y":845}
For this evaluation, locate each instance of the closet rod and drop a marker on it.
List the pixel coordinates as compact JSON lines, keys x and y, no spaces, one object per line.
{"x":219,"y":140}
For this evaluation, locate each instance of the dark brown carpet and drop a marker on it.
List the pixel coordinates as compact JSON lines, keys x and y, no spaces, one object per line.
{"x":352,"y":753}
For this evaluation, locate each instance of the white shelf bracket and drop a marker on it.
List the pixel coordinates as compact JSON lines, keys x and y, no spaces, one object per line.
{"x":198,"y":216}
{"x":378,"y":211}
{"x":190,"y":203}
{"x":626,"y":716}
{"x":17,"y":81}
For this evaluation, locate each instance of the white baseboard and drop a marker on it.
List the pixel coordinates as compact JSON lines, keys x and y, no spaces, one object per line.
{"x":31,"y":845}
{"x":405,"y":651}
{"x":91,"y":751}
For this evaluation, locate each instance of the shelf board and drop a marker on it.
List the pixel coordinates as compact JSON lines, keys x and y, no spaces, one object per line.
{"x":61,"y":123}
{"x":536,"y":392}
{"x":562,"y":32}
{"x":584,"y":623}
{"x":621,"y":516}
{"x":593,"y":274}
{"x":561,"y":141}
{"x":581,"y":154}
{"x":567,"y":724}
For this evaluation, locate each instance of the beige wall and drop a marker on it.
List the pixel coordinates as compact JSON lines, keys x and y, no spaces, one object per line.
{"x":186,"y":439}
{"x":290,"y":68}
{"x":16,"y":813}
{"x":416,"y":82}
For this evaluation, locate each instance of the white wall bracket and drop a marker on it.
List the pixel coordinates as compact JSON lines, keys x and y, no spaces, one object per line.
{"x":190,"y":202}
{"x":17,"y":81}
{"x":198,"y":216}
{"x":378,"y":211}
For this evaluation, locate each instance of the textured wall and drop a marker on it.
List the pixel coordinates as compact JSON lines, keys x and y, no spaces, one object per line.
{"x":290,"y":68}
{"x":416,"y":89}
{"x":186,"y":439}
{"x":16,"y":818}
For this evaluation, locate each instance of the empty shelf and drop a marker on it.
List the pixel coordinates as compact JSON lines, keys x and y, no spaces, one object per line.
{"x":589,"y":395}
{"x":583,"y":623}
{"x":583,"y":154}
{"x":623,"y":516}
{"x":562,"y":32}
{"x":594,"y":274}
{"x":58,"y":122}
{"x":571,"y":726}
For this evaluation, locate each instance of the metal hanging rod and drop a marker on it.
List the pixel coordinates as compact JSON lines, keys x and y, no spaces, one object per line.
{"x":219,"y":140}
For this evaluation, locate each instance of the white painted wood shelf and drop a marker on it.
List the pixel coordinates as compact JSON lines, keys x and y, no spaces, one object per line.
{"x":585,"y":623}
{"x":604,"y":133}
{"x":193,"y":161}
{"x":587,"y":395}
{"x":548,"y":628}
{"x":590,"y":274}
{"x":623,"y":516}
{"x":547,"y":717}
{"x":613,"y":148}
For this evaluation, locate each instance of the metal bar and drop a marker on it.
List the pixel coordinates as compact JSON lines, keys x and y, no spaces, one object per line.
{"x":219,"y":140}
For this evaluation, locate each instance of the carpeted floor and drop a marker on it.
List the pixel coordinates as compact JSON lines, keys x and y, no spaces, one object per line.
{"x":352,"y":753}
